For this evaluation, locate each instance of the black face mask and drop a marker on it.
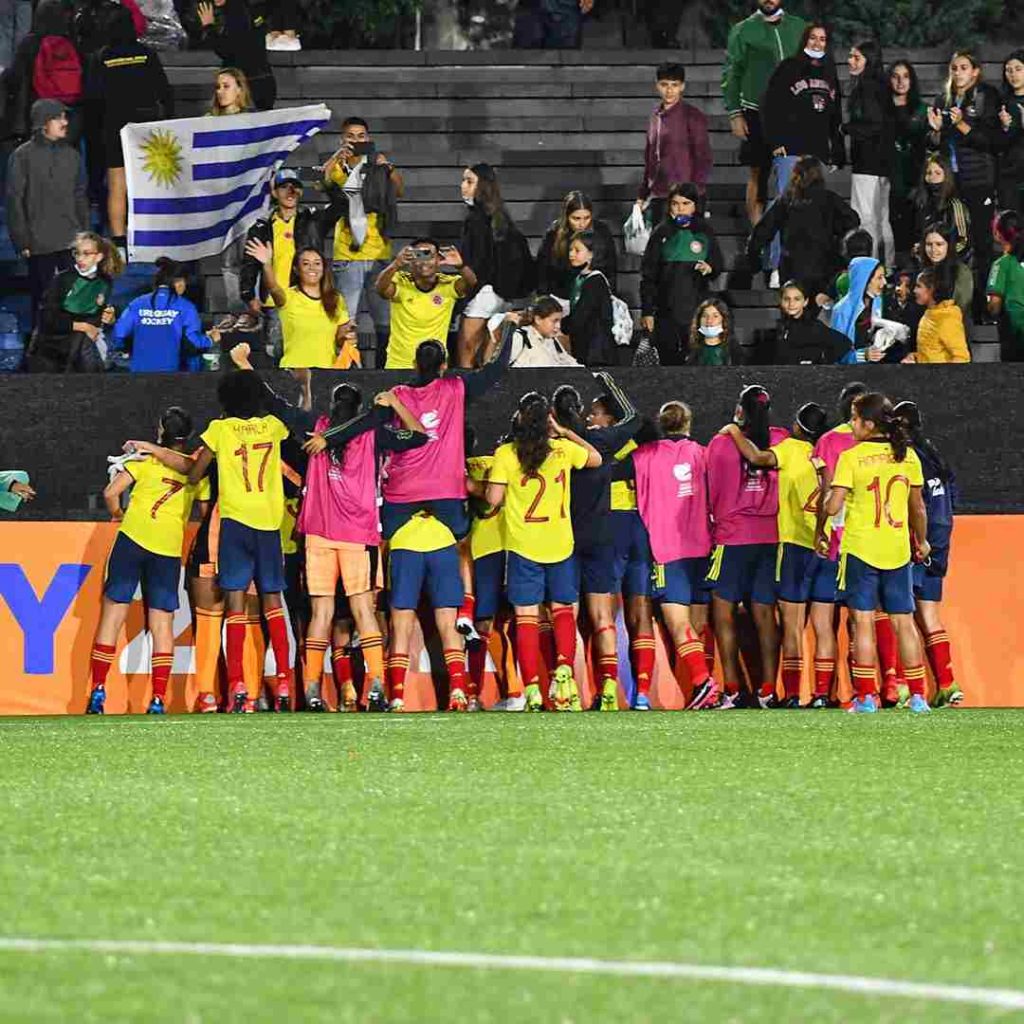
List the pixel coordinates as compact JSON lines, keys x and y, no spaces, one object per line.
{"x":933,"y":188}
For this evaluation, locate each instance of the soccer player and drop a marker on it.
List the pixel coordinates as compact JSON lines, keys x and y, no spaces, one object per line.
{"x":940,"y":496}
{"x":797,"y":568}
{"x":744,"y":507}
{"x":878,"y":482}
{"x":532,"y":477}
{"x":246,"y":442}
{"x":146,"y":551}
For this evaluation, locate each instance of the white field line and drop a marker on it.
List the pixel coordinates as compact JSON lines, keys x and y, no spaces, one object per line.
{"x":1009,"y":999}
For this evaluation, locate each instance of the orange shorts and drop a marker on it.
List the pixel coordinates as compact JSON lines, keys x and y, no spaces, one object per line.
{"x":356,"y":565}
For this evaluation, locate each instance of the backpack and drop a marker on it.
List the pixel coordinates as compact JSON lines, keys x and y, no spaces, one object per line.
{"x":533,"y":357}
{"x":622,"y":318}
{"x":57,"y":70}
{"x":646,"y":354}
{"x":516,"y":272}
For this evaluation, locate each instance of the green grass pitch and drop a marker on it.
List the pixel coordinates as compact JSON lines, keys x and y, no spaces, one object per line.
{"x":887,"y":846}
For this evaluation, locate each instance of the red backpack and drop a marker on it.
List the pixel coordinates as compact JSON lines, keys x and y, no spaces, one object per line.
{"x":57,"y":71}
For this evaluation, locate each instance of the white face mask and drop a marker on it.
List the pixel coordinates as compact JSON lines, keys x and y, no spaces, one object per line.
{"x":91,"y":272}
{"x":710,"y":332}
{"x":814,"y":54}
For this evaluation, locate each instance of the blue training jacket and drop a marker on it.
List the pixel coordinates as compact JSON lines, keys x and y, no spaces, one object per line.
{"x":159,"y":324}
{"x":940,"y":497}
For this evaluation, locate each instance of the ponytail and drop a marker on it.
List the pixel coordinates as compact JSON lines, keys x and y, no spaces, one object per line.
{"x":530,"y":432}
{"x":875,"y":407}
{"x":112,"y":263}
{"x":910,"y":415}
{"x":756,"y":403}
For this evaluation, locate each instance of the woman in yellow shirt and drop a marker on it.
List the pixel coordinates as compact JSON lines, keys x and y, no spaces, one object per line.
{"x":940,"y":334}
{"x":315,"y":324}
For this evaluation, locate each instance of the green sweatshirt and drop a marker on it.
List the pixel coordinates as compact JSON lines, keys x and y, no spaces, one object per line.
{"x":755,"y":49}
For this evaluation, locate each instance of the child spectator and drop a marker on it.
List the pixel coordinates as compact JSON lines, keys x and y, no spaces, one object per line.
{"x":588,"y":326}
{"x":910,"y":125}
{"x":801,"y":339}
{"x":678,"y":148}
{"x":239,"y":39}
{"x":711,"y":340}
{"x":681,"y":260}
{"x":554,"y":273}
{"x":855,"y":314}
{"x":534,"y":336}
{"x":857,"y":242}
{"x":934,"y":201}
{"x":1011,"y":120}
{"x":940,"y":334}
{"x":1006,"y":286}
{"x":899,"y":305}
{"x":46,"y":203}
{"x":937,"y":250}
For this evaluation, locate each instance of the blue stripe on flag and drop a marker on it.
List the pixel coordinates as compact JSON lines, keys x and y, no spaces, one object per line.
{"x":232,"y":168}
{"x":242,"y":136}
{"x":192,"y":236}
{"x":190,"y":204}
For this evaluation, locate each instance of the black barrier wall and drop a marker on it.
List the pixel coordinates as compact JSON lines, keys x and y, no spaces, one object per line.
{"x":61,"y":428}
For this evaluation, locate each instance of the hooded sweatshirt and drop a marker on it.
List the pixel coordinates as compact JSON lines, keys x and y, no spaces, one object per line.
{"x":670,"y":284}
{"x":802,"y":110}
{"x":849,"y":311}
{"x":872,"y":126}
{"x":940,"y":335}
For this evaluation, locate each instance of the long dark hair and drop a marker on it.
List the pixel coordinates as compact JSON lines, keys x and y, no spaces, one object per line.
{"x":811,"y":418}
{"x":947,"y":190}
{"x":914,"y":95}
{"x":806,"y":35}
{"x":874,"y":406}
{"x":567,"y":407}
{"x":175,"y":427}
{"x":167,"y":272}
{"x":530,"y":432}
{"x":910,"y":414}
{"x":874,"y":66}
{"x":808,"y":174}
{"x":686,"y":190}
{"x":1006,"y":90}
{"x":949,"y":90}
{"x":756,"y":403}
{"x":329,"y":297}
{"x":850,"y":393}
{"x":488,"y":198}
{"x":572,"y":203}
{"x":723,"y":312}
{"x":947,"y":232}
{"x":1007,"y":227}
{"x":430,"y":359}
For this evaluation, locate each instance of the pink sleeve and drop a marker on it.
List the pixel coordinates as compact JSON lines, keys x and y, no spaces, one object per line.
{"x":714,"y":478}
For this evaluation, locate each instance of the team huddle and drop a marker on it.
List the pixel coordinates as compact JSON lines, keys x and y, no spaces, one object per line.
{"x":363,"y":522}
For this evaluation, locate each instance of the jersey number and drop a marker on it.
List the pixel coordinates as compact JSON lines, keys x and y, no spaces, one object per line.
{"x":530,"y":517}
{"x":173,"y":486}
{"x":811,"y":504}
{"x":243,"y":453}
{"x":882,"y":505}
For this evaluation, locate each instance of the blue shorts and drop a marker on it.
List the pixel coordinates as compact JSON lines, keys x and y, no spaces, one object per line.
{"x":596,"y":568}
{"x":865,"y":588}
{"x":743,"y":572}
{"x":631,"y":555}
{"x":531,"y":583}
{"x":450,"y":511}
{"x":246,"y":555}
{"x":801,"y":576}
{"x":409,"y":571}
{"x":683,"y":581}
{"x":130,"y":564}
{"x":489,"y":584}
{"x":927,"y":588}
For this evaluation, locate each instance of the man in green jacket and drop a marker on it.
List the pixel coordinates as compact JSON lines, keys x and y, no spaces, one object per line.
{"x":756,"y":46}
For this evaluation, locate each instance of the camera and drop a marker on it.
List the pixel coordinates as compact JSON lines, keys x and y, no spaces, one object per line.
{"x":423,"y":252}
{"x":363,"y":148}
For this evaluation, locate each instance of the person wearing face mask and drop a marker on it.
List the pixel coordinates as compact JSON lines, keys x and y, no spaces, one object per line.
{"x":1011,"y":121}
{"x":554,"y":274}
{"x":711,"y":340}
{"x":936,"y":250}
{"x":935,"y":201}
{"x":681,"y":260}
{"x":910,"y":114}
{"x":801,"y":339}
{"x":75,"y":309}
{"x":854,"y":314}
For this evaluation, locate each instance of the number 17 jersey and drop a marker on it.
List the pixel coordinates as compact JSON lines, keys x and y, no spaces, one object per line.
{"x":537,"y":523}
{"x":249,"y":469}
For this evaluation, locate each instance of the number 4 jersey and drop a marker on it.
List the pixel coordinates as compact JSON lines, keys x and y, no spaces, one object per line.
{"x":249,"y":469}
{"x":160,"y":506}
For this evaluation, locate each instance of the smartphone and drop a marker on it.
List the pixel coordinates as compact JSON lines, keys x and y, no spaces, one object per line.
{"x":364,"y":148}
{"x":423,"y":252}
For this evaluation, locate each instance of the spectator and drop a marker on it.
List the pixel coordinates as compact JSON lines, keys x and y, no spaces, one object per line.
{"x":534,"y":336}
{"x":46,"y":203}
{"x":965,"y":123}
{"x":1005,"y":290}
{"x":14,"y":489}
{"x":871,"y":127}
{"x":75,"y":309}
{"x":315,"y":326}
{"x":937,"y":250}
{"x":855,"y":314}
{"x":900,"y":306}
{"x":422,"y":297}
{"x":364,"y":188}
{"x":857,"y":242}
{"x":496,"y":250}
{"x":93,"y":20}
{"x":812,"y":221}
{"x":711,"y":341}
{"x":681,"y":260}
{"x":554,"y":274}
{"x":163,"y":327}
{"x":678,"y":147}
{"x":239,"y":39}
{"x":289,"y":228}
{"x":1011,"y":120}
{"x":550,"y":24}
{"x":940,"y":334}
{"x":588,"y":326}
{"x":124,"y":82}
{"x":935,"y":202}
{"x":910,"y":115}
{"x":801,"y":339}
{"x":282,"y":33}
{"x":756,"y":45}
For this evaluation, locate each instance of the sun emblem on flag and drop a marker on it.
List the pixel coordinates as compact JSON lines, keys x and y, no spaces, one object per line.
{"x":162,"y":160}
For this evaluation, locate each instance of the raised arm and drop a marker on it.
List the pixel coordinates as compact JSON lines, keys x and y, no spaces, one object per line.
{"x":200,"y":465}
{"x":177,"y":461}
{"x":389,"y":400}
{"x":264,"y":255}
{"x":754,"y":455}
{"x":478,"y":382}
{"x":298,"y":421}
{"x":594,"y":458}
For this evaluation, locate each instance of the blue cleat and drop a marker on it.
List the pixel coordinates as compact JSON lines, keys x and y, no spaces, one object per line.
{"x":642,"y":702}
{"x":918,"y":704}
{"x":156,"y":707}
{"x":865,"y":706}
{"x":96,"y":701}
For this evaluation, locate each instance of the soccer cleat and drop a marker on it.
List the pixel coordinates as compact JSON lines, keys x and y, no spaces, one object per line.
{"x":609,"y":695}
{"x":206,"y":703}
{"x":575,"y":704}
{"x":512,"y":703}
{"x":238,"y":702}
{"x":723,"y":702}
{"x":284,"y":702}
{"x":473,"y":704}
{"x":789,"y":703}
{"x":949,"y":697}
{"x":818,"y":700}
{"x":902,"y":697}
{"x":349,"y":699}
{"x":705,"y":696}
{"x":534,"y":701}
{"x":375,"y":699}
{"x":253,"y":706}
{"x":918,"y":704}
{"x":863,"y":705}
{"x":642,"y":702}
{"x":465,"y":626}
{"x":96,"y":701}
{"x":156,"y":707}
{"x":457,"y":700}
{"x":767,"y":700}
{"x":315,"y":705}
{"x":397,"y":705}
{"x":560,"y":682}
{"x":892,"y":690}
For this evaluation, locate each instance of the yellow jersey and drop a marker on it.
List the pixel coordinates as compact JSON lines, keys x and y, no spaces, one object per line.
{"x":289,"y":545}
{"x":417,"y":315}
{"x":798,"y":492}
{"x":487,"y":530}
{"x":877,"y":527}
{"x":623,"y":492}
{"x":159,"y":507}
{"x":537,"y":523}
{"x":309,"y":334}
{"x":375,"y":246}
{"x":284,"y":251}
{"x":248,"y":455}
{"x":422,"y":533}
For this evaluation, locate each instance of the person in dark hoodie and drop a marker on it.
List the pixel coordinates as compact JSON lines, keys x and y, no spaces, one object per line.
{"x":46,"y":203}
{"x":801,"y":339}
{"x":554,"y":272}
{"x":1011,"y":120}
{"x":681,"y":260}
{"x":872,"y":129}
{"x":125,"y":82}
{"x":238,"y":37}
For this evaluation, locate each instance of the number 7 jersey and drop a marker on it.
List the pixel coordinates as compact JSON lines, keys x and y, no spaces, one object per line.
{"x":159,"y":507}
{"x":537,"y":523}
{"x":249,"y":469}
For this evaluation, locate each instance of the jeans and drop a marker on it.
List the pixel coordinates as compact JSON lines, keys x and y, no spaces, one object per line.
{"x":273,"y":335}
{"x":355,"y":280}
{"x":782,"y":171}
{"x":230,"y":269}
{"x":869,"y":197}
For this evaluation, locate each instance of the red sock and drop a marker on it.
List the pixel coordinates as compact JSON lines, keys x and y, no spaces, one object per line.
{"x":468,"y":609}
{"x":341,"y":668}
{"x":478,"y":664}
{"x":940,"y":657}
{"x":160,"y":672}
{"x":563,"y":622}
{"x":235,"y":629}
{"x":528,"y":641}
{"x":863,"y":679}
{"x":607,"y":664}
{"x":731,"y":688}
{"x":824,"y":670}
{"x":546,"y":640}
{"x":888,"y":649}
{"x":914,"y":676}
{"x":691,"y":654}
{"x":708,"y":636}
{"x":792,"y":671}
{"x":642,"y":649}
{"x":278,"y":630}
{"x":455,"y":660}
{"x":398,"y":666}
{"x":100,"y":660}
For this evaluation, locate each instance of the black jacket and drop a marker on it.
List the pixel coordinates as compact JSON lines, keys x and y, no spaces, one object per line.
{"x":239,"y":38}
{"x":308,"y":234}
{"x":554,"y":275}
{"x":674,"y":289}
{"x":802,"y":110}
{"x":589,"y":325}
{"x":1011,"y":156}
{"x":379,"y":197}
{"x":476,"y":246}
{"x":974,"y":153}
{"x":55,"y":347}
{"x":871,"y":127}
{"x":126,"y":82}
{"x":807,"y":341}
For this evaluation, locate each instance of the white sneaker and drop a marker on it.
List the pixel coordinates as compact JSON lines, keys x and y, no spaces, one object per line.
{"x":465,"y":626}
{"x":773,"y":281}
{"x":510,"y":704}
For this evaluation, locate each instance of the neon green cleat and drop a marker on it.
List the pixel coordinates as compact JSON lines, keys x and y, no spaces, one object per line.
{"x":950,"y":697}
{"x":534,"y":701}
{"x":564,"y":685}
{"x":903,"y":696}
{"x":609,"y":695}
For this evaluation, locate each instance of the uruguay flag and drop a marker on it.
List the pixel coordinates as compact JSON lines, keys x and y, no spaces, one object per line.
{"x":198,"y":183}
